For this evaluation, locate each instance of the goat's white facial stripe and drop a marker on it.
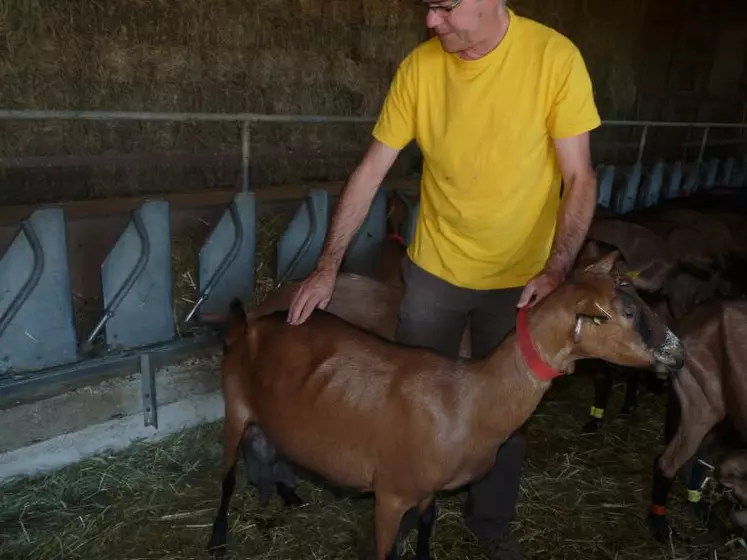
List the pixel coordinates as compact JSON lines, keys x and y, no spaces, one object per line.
{"x":577,"y":330}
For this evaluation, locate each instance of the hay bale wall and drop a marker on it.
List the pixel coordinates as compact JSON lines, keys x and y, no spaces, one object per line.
{"x":680,"y":60}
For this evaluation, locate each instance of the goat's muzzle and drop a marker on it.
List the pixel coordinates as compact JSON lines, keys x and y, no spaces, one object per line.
{"x":669,"y":356}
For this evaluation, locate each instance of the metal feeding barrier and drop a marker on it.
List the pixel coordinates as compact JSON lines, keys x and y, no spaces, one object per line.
{"x":38,"y":344}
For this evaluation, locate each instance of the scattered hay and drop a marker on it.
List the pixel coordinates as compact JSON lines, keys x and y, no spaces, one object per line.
{"x":185,"y":251}
{"x":583,"y":497}
{"x":88,"y":312}
{"x":269,"y":230}
{"x":185,"y":259}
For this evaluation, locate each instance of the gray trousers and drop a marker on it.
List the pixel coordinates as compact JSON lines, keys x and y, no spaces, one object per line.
{"x":434,"y":313}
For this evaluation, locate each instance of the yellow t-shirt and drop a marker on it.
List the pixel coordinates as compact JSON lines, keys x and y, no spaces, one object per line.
{"x":490,"y":187}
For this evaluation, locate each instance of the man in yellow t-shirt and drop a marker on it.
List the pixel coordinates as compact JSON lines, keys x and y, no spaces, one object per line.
{"x":501,"y":108}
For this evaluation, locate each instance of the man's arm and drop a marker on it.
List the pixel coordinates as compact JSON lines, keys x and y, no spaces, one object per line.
{"x":354,"y":203}
{"x":574,"y":216}
{"x":394,"y":129}
{"x":571,"y":115}
{"x":578,"y":204}
{"x":352,"y":207}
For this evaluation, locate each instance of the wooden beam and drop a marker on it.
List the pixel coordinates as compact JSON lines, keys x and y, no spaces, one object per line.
{"x":103,"y":207}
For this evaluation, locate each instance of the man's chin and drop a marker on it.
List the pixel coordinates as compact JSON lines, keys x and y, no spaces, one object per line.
{"x":449,"y":44}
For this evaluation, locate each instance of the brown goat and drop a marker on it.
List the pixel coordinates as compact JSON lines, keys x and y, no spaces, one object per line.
{"x":711,"y":387}
{"x":363,"y":301}
{"x":405,"y":422}
{"x":699,"y":272}
{"x":641,"y":249}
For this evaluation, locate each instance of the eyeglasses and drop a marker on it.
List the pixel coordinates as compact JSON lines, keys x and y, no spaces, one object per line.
{"x":437,"y":5}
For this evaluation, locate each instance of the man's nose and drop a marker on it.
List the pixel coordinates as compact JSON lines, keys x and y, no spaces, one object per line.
{"x":433,"y":18}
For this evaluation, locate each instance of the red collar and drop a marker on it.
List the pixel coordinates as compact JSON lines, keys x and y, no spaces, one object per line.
{"x":397,"y":237}
{"x":539,"y":367}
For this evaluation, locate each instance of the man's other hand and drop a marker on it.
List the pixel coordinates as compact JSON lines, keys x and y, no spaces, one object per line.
{"x":539,"y":287}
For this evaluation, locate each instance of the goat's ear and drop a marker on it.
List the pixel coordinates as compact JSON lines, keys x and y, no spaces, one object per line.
{"x":605,"y":264}
{"x":650,"y":277}
{"x":589,"y":254}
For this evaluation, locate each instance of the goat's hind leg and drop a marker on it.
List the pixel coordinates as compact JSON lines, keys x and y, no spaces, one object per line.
{"x":233,"y":430}
{"x":426,"y":521}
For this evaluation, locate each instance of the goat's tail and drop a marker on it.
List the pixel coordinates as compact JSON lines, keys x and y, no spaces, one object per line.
{"x":236,"y":313}
{"x":234,"y":325}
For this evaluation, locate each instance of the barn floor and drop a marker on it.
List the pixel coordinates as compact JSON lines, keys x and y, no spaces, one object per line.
{"x":583,"y":497}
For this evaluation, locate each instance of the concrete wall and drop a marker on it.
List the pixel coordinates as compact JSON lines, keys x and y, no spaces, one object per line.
{"x":54,"y":432}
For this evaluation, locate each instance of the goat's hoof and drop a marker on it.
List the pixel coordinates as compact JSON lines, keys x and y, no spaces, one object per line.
{"x":593,"y":425}
{"x":216,"y":550}
{"x":217,"y":545}
{"x":660,"y":528}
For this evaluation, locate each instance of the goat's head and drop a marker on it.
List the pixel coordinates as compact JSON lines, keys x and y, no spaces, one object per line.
{"x":611,"y":321}
{"x":731,"y":472}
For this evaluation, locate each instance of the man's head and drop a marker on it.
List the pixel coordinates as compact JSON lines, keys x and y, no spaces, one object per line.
{"x":470,"y":28}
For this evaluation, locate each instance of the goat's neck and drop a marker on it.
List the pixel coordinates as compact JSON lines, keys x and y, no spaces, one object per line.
{"x":508,"y":390}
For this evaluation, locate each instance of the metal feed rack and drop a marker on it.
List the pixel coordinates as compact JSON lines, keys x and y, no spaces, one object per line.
{"x":38,"y":344}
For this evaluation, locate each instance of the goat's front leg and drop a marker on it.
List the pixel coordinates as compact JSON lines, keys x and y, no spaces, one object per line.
{"x":630,"y":404}
{"x":234,"y":426}
{"x":602,"y":387}
{"x":695,"y":419}
{"x":695,"y":423}
{"x":694,"y":474}
{"x":660,"y":484}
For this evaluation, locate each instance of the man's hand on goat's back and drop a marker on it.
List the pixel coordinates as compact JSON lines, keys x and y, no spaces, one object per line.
{"x":314,"y":291}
